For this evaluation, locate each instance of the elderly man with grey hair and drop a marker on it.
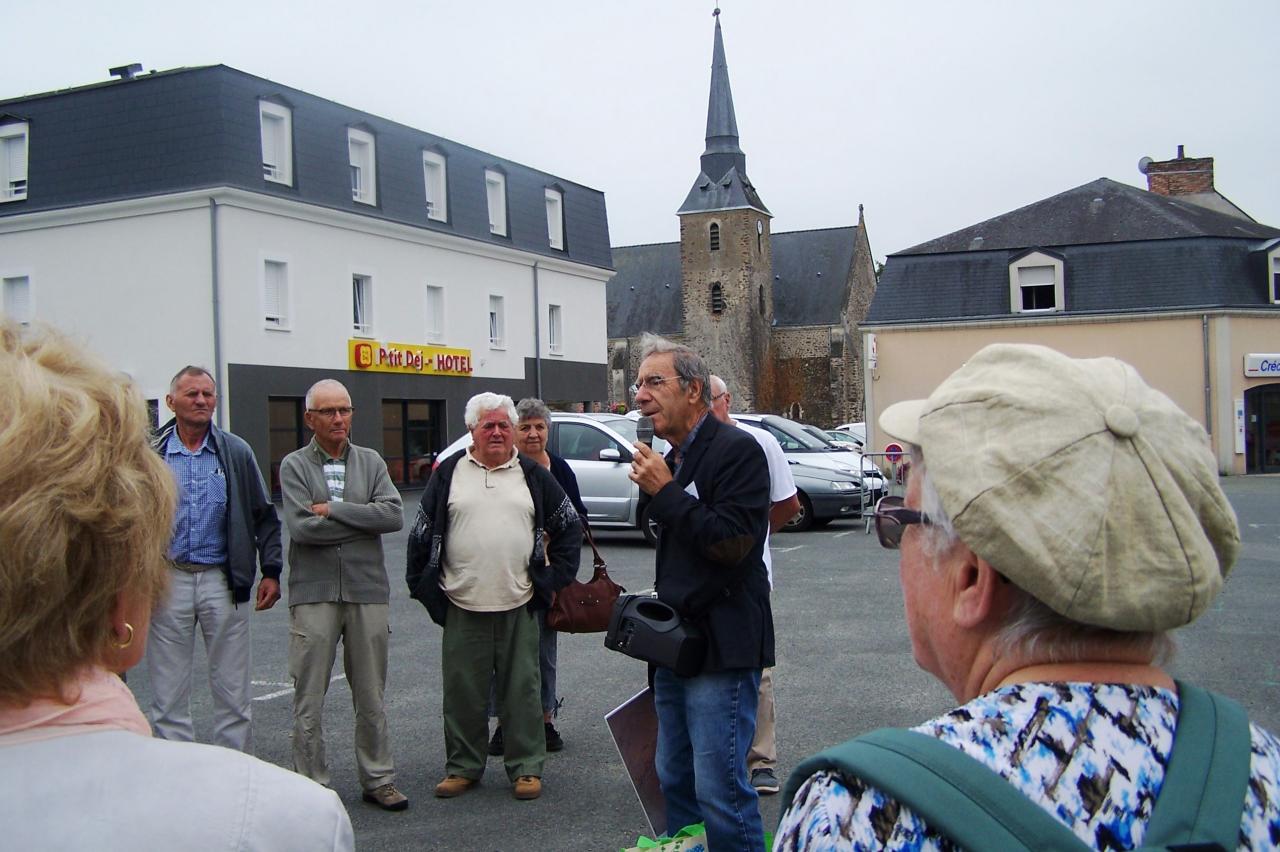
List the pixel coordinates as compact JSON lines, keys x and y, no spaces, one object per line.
{"x":494,"y":538}
{"x":1060,"y":518}
{"x":338,"y":503}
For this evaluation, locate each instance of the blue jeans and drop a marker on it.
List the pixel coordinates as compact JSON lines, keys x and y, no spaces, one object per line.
{"x":705,"y":726}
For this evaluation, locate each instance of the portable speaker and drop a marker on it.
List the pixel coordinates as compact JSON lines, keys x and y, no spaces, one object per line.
{"x":648,"y":629}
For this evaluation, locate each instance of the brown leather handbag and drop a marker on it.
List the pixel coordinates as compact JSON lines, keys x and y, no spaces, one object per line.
{"x":585,"y":607}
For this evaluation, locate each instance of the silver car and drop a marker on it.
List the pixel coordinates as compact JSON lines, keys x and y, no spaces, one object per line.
{"x":598,"y":449}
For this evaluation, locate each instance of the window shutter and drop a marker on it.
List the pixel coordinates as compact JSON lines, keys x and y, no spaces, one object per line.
{"x":17,"y":298}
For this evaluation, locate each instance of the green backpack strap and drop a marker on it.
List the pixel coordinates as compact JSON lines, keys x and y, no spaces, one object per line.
{"x":1207,"y":777}
{"x":1199,"y":806}
{"x":955,"y":794}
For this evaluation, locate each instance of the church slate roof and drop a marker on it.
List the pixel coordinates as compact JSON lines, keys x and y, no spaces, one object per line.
{"x":810,"y":285}
{"x":1125,"y":250}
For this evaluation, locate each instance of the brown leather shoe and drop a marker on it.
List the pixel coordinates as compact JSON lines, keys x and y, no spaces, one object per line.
{"x":454,"y":785}
{"x":387,"y":797}
{"x":528,"y":787}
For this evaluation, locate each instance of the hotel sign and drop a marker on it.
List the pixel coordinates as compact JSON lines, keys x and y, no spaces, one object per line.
{"x":373,"y":356}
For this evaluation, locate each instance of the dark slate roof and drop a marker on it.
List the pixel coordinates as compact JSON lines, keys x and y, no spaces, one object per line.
{"x":1103,"y":211}
{"x":1163,"y":274}
{"x":731,"y":192}
{"x":810,"y":286}
{"x":198,"y":128}
{"x":722,"y":184}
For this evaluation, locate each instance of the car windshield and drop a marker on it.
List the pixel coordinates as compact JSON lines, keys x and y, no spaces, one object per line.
{"x":798,"y":433}
{"x":626,"y":427}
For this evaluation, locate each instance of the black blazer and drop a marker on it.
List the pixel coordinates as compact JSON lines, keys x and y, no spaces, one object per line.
{"x":710,"y":563}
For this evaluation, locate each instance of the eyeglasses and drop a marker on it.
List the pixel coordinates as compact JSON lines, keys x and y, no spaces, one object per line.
{"x":650,"y":382}
{"x":330,"y":413}
{"x":892,"y":520}
{"x":717,"y":396}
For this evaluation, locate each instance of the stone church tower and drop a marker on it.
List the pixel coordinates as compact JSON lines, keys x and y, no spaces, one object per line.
{"x":726,"y":261}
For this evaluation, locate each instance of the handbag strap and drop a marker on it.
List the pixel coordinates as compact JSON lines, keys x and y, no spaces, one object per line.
{"x":599,"y":560}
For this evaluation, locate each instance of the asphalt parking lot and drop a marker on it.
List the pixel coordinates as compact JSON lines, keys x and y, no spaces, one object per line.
{"x":844,"y":667}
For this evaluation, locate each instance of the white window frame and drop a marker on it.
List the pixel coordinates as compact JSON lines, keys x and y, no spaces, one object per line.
{"x":555,"y":218}
{"x":435,"y":182}
{"x":363,"y":159}
{"x":10,"y":285}
{"x":434,"y":314}
{"x":555,"y":329}
{"x":362,"y":305}
{"x":14,"y":162}
{"x":497,"y":322}
{"x":1273,"y":275}
{"x":281,"y":318}
{"x":495,"y":190}
{"x":276,"y":126}
{"x":1034,"y":259}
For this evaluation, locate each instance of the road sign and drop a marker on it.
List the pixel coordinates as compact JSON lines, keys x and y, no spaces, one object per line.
{"x":893,"y":452}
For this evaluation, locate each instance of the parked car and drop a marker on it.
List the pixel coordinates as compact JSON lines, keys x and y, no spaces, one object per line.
{"x":857,"y":430}
{"x":843,"y":438}
{"x":824,"y":496}
{"x":598,"y":449}
{"x":801,"y":447}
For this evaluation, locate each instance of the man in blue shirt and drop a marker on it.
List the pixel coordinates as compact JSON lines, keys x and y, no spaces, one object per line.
{"x":224,"y":527}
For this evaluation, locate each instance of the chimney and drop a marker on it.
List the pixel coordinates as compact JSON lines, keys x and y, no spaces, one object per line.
{"x":126,"y":72}
{"x":1180,"y":176}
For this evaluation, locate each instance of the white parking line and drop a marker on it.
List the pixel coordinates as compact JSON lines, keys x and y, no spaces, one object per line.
{"x":788,"y":549}
{"x":845,"y":533}
{"x":283,"y":692}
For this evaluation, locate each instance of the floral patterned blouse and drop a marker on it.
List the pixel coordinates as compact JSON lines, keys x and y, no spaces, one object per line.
{"x":1093,"y":755}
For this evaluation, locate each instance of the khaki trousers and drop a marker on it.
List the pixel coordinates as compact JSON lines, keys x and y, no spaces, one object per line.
{"x":764,"y":746}
{"x":314,"y":631}
{"x":478,"y":647}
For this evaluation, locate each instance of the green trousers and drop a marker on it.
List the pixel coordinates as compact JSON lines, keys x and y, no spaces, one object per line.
{"x":476,"y":646}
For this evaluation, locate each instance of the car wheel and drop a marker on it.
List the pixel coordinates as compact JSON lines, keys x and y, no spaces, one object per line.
{"x":649,"y":528}
{"x":804,"y":518}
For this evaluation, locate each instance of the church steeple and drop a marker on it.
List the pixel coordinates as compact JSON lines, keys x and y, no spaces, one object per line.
{"x":722,"y":183}
{"x":722,"y":151}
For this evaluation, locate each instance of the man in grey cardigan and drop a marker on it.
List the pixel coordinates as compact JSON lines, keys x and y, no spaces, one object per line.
{"x":338,"y":502}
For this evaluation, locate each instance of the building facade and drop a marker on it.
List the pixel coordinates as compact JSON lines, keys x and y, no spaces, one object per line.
{"x":211,"y":217}
{"x":1175,"y":280}
{"x":773,"y":314}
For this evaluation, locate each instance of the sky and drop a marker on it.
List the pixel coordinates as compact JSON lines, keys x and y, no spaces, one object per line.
{"x":933,"y":115}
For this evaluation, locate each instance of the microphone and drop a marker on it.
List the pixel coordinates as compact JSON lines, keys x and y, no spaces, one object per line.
{"x":644,"y":431}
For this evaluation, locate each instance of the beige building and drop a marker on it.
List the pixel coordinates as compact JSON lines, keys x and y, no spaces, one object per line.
{"x":1175,"y":280}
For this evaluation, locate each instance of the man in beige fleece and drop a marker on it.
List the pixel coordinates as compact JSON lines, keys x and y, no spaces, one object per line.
{"x":338,"y":502}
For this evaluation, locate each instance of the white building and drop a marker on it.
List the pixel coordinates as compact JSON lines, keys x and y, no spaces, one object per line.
{"x":206,"y":216}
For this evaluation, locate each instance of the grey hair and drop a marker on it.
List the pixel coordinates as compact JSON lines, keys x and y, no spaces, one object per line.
{"x":718,"y":385}
{"x":325,"y":384}
{"x":190,"y":370}
{"x":1032,"y":629}
{"x":532,"y":408}
{"x":482,"y":402}
{"x":688,"y":364}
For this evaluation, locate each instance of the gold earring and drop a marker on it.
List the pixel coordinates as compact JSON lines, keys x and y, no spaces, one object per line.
{"x":120,"y":646}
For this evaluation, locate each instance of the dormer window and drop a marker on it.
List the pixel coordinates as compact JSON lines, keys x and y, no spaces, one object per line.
{"x":435,"y":177}
{"x":363,"y":160}
{"x":713,"y":237}
{"x":276,"y":123}
{"x":555,"y":217}
{"x":495,"y":186}
{"x":13,"y":161}
{"x":1036,"y":283}
{"x":1273,"y":268}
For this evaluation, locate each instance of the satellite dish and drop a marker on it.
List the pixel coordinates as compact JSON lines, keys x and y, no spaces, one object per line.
{"x":1144,"y":164}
